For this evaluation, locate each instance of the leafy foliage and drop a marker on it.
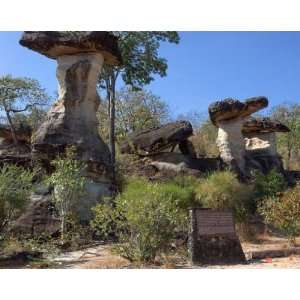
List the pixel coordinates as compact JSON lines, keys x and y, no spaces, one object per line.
{"x":15,"y":187}
{"x":135,"y":110}
{"x":289,"y":143}
{"x":146,"y":217}
{"x":68,"y":183}
{"x":268,"y":185}
{"x":283,"y":212}
{"x":222,"y":190}
{"x":19,"y":95}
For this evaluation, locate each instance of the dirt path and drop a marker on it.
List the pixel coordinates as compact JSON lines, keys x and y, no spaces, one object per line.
{"x":97,"y":257}
{"x":102,"y":257}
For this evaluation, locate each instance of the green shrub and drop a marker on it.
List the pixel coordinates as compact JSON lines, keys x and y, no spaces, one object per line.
{"x":68,"y":183}
{"x":222,"y":190}
{"x":268,"y":185}
{"x":283,"y":212}
{"x":15,"y":188}
{"x":146,"y":217}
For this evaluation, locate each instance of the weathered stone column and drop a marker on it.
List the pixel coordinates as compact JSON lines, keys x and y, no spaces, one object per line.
{"x":229,"y":116}
{"x":71,"y":121}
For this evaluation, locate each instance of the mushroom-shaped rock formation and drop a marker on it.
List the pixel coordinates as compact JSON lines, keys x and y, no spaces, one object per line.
{"x":260,"y":140}
{"x":153,"y":140}
{"x":229,"y":116}
{"x":72,"y":119}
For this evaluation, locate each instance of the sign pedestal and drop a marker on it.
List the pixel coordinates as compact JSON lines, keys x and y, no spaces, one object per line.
{"x":212,"y":238}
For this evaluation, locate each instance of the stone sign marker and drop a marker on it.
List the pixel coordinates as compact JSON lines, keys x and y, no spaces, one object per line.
{"x":212,"y":237}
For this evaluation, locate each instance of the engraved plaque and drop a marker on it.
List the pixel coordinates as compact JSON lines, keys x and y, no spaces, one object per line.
{"x":214,"y":222}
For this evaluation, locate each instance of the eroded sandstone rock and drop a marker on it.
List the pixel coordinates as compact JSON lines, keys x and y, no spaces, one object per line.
{"x":156,"y":139}
{"x":229,"y":116}
{"x":71,"y":121}
{"x":260,"y":142}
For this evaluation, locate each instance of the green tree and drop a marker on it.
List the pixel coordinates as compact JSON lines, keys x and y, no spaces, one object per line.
{"x":15,"y":187}
{"x":289,"y":143}
{"x":135,"y":110}
{"x":19,"y":95}
{"x":204,"y":139}
{"x":33,"y":118}
{"x":68,"y":184}
{"x":141,"y":61}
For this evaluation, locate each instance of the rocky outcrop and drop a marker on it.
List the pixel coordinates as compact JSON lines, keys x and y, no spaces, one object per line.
{"x":229,"y":116}
{"x":71,"y":121}
{"x":40,"y":218}
{"x":154,"y":140}
{"x":260,"y":142}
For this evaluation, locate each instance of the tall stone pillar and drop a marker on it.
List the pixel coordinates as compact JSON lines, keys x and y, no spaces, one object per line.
{"x":71,"y":121}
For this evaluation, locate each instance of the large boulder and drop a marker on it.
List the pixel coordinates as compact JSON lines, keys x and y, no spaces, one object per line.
{"x":71,"y":121}
{"x":154,"y":140}
{"x":40,"y":217}
{"x":229,"y":116}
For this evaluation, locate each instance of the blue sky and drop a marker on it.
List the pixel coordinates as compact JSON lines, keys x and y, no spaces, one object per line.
{"x":204,"y":67}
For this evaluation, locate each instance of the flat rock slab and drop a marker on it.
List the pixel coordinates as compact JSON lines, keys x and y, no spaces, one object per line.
{"x":263,"y":125}
{"x":56,"y":43}
{"x":230,"y":108}
{"x":153,"y":140}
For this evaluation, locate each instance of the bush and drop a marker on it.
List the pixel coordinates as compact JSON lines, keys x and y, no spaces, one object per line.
{"x":68,"y":183}
{"x":146,"y":217}
{"x":222,"y":190}
{"x":283,"y":212}
{"x":15,"y":188}
{"x":268,"y":185}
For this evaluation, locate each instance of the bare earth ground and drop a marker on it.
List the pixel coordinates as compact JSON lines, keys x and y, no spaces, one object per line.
{"x":102,"y":257}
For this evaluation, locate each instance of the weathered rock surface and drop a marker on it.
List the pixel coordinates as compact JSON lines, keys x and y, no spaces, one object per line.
{"x":40,"y":218}
{"x":232,"y":108}
{"x":229,"y":116}
{"x":263,"y":125}
{"x":71,"y":121}
{"x":260,"y":142}
{"x":57,"y":43}
{"x":154,"y":140}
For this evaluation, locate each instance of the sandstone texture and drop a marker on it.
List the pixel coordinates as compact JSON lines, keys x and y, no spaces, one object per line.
{"x":260,"y":143}
{"x":154,"y":140}
{"x":229,"y":116}
{"x":71,"y":121}
{"x":58,"y":43}
{"x":40,"y":218}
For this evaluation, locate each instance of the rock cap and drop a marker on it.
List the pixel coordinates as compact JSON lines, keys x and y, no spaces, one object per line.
{"x":230,"y":108}
{"x":263,"y":125}
{"x":57,"y":43}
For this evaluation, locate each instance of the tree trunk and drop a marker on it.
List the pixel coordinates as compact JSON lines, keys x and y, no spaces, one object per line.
{"x":112,"y":114}
{"x":12,"y":128}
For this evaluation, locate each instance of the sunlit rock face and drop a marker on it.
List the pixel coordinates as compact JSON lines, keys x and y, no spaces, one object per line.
{"x":229,"y":116}
{"x":230,"y":142}
{"x":71,"y":121}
